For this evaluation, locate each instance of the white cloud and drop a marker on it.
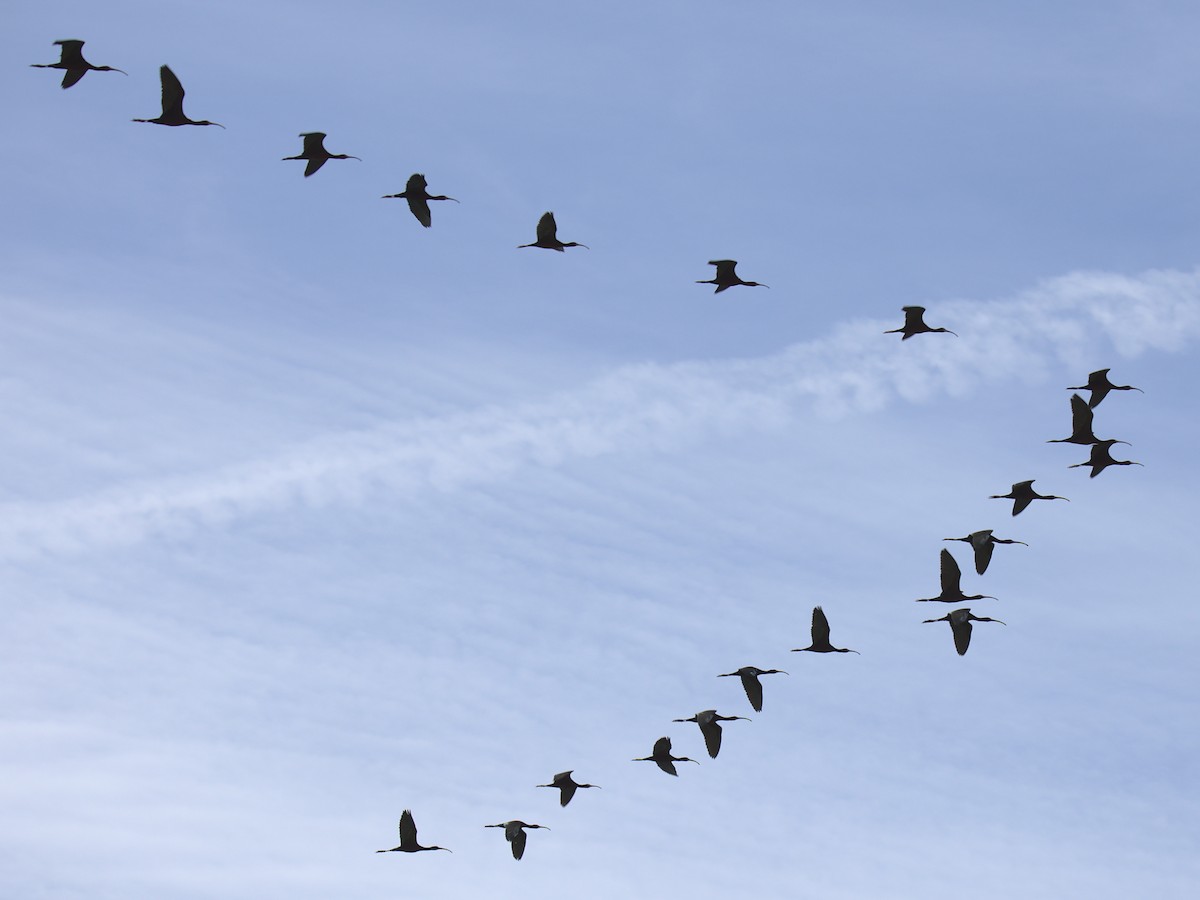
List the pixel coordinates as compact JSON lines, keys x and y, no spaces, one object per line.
{"x":1063,"y":322}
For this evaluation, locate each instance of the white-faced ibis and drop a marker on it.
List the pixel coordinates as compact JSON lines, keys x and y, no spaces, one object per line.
{"x":547,"y":236}
{"x":1098,"y":384}
{"x":418,"y":198}
{"x":73,"y":64}
{"x":726,"y":277}
{"x":914,"y":323}
{"x":514,"y":833}
{"x":316,"y":154}
{"x":751,"y":684}
{"x":172,"y":103}
{"x":408,"y":837}
{"x":983,"y":542}
{"x":820,"y":636}
{"x":960,"y":626}
{"x":1101,"y":458}
{"x":1081,"y":425}
{"x":566,"y":786}
{"x":1022,"y":494}
{"x":951,"y":576}
{"x":710,"y":721}
{"x":661,"y":756}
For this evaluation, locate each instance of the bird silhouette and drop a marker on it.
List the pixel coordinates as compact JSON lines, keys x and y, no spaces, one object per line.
{"x":1022,"y":494}
{"x":914,"y":323}
{"x":408,"y":837}
{"x":566,"y":786}
{"x":751,"y":684}
{"x":316,"y":154}
{"x":983,"y":542}
{"x":73,"y":64}
{"x":726,"y":277}
{"x":960,"y":626}
{"x":1097,"y":383}
{"x":1101,"y":458}
{"x":547,"y":236}
{"x":820,"y":636}
{"x":172,"y":103}
{"x":417,"y":197}
{"x":710,"y":721}
{"x":951,"y":575}
{"x":1081,"y":425}
{"x":661,"y":756}
{"x":514,"y":833}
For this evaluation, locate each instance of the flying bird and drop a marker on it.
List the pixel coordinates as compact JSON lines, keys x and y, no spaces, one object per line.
{"x":960,"y":626}
{"x":914,"y":323}
{"x":820,"y":636}
{"x":316,"y":154}
{"x":73,"y":64}
{"x":408,"y":837}
{"x":951,"y":575}
{"x":751,"y":684}
{"x":566,"y":786}
{"x":418,"y":198}
{"x":983,"y":542}
{"x":726,"y":277}
{"x":710,"y":721}
{"x":547,"y":236}
{"x":1097,"y":383}
{"x":1101,"y":458}
{"x":514,"y":833}
{"x":661,"y":756}
{"x":172,"y":103}
{"x":1081,"y":425}
{"x":1022,"y":494}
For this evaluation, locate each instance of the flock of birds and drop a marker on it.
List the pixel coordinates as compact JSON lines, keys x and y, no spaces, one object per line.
{"x":982,"y":542}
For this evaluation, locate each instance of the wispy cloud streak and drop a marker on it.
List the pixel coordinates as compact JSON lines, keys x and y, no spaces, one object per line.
{"x":1068,"y":321}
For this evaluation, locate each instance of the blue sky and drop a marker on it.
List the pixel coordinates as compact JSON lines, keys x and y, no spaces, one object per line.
{"x":309,"y":514}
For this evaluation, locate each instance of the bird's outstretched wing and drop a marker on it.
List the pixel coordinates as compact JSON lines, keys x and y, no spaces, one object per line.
{"x":983,"y":551}
{"x":1081,"y":418}
{"x":961,"y":628}
{"x":547,"y":228}
{"x":820,"y":627}
{"x":565,"y":785}
{"x":419,"y":207}
{"x":408,"y":829}
{"x":951,"y":574}
{"x":914,"y":317}
{"x":172,"y":93}
{"x":712,"y":737}
{"x":314,"y":143}
{"x":753,"y":688}
{"x":516,"y":836}
{"x":1021,"y":503}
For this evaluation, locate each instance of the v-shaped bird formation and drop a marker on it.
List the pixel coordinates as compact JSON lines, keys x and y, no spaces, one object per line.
{"x":709,"y":721}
